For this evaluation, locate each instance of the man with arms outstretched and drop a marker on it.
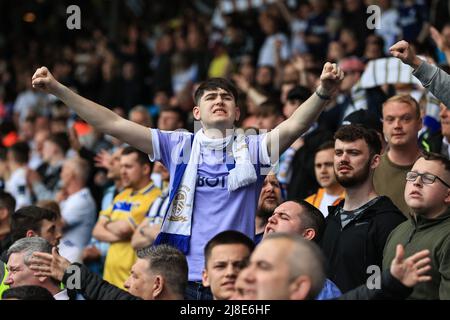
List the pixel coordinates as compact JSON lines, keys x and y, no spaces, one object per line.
{"x":216,"y":173}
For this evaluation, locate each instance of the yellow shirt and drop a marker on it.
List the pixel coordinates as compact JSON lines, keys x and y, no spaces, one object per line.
{"x":3,"y":276}
{"x":218,"y":67}
{"x":132,"y":207}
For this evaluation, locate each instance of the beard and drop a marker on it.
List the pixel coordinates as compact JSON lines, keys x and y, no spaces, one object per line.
{"x":265,"y":212}
{"x":358,"y":178}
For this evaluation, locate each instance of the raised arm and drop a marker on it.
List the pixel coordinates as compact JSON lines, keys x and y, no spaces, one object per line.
{"x":403,"y":51}
{"x":291,"y":129}
{"x":285,"y":13}
{"x":439,"y":39}
{"x":245,"y":86}
{"x":431,"y":77}
{"x":98,"y":116}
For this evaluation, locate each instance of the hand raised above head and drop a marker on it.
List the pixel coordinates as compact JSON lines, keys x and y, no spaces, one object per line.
{"x":330,"y":79}
{"x":103,"y":159}
{"x":403,"y":51}
{"x":44,"y":81}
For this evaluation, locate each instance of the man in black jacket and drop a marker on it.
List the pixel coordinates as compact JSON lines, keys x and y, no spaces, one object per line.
{"x":160,"y":273}
{"x":356,"y":231}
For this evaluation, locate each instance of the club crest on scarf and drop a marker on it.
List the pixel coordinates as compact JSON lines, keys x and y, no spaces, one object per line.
{"x":178,"y":206}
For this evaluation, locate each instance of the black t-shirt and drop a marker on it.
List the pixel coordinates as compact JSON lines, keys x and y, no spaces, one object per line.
{"x":348,"y":216}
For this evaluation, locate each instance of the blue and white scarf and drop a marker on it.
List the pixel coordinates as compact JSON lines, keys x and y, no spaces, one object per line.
{"x":177,"y":225}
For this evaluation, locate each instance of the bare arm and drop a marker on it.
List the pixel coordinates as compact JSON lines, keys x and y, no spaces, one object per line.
{"x":299,"y":64}
{"x":291,"y":129}
{"x":144,"y":235}
{"x":122,"y":229}
{"x":98,"y":116}
{"x":279,"y":63}
{"x":102,"y":234}
{"x":285,"y":13}
{"x":440,"y":42}
{"x":251,"y":92}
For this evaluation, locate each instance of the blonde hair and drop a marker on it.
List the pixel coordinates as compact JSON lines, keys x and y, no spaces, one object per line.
{"x":407,"y":99}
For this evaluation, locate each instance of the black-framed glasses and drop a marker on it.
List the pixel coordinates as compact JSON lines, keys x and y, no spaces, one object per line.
{"x":426,"y":178}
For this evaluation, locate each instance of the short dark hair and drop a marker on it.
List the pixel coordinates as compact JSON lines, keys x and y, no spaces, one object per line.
{"x":142,"y":158}
{"x":20,"y":152}
{"x":325,"y":146}
{"x":269,"y":108}
{"x":8,"y":202}
{"x":268,"y":67}
{"x":350,"y":133}
{"x":214,"y":84}
{"x":29,"y":218}
{"x":431,"y":156}
{"x":227,"y":237}
{"x":61,"y":140}
{"x":312,"y":218}
{"x":170,"y":262}
{"x":365,"y":118}
{"x":27,"y":293}
{"x":299,"y":93}
{"x":181,"y":115}
{"x":31,"y":118}
{"x":50,"y":205}
{"x":3,"y":152}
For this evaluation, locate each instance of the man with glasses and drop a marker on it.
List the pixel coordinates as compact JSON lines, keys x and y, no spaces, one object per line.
{"x":427,"y":194}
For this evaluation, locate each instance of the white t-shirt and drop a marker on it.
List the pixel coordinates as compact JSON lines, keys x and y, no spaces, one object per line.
{"x":79,"y":214}
{"x":267,"y":52}
{"x":327,"y":201}
{"x":62,"y":295}
{"x":69,"y":251}
{"x":28,"y":101}
{"x":389,"y":30}
{"x":17,"y":187}
{"x":445,"y":147}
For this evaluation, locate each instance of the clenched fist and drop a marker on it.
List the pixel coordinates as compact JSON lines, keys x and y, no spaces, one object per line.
{"x":405,"y":52}
{"x":330,"y":79}
{"x":44,"y":81}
